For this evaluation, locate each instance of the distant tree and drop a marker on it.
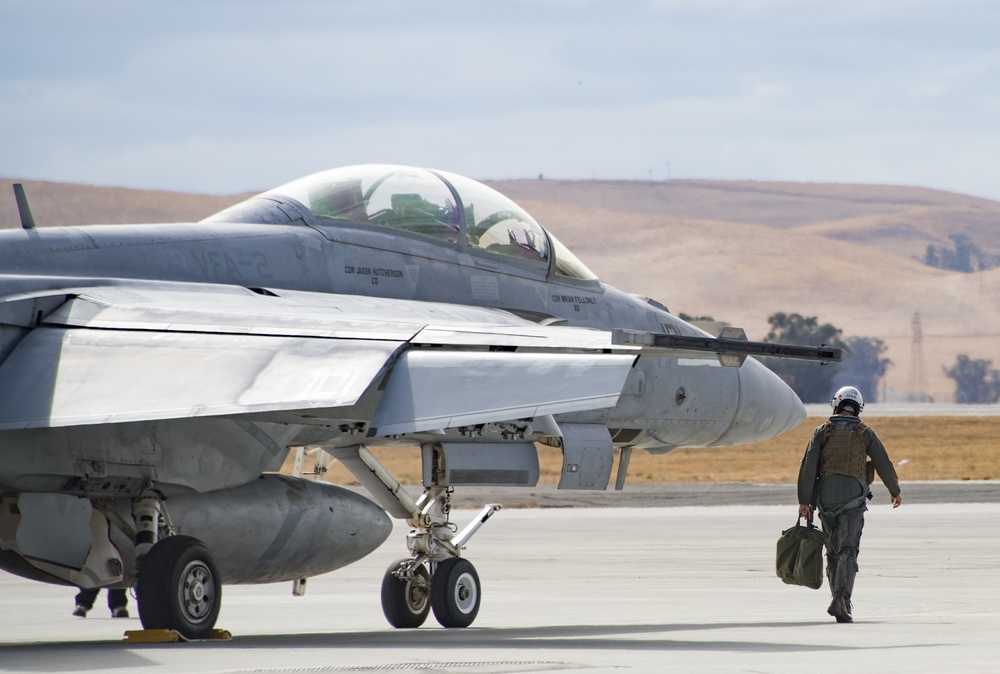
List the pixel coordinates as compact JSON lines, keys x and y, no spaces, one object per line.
{"x":963,"y":256}
{"x":812,"y":382}
{"x":976,"y":381}
{"x":687,"y":318}
{"x":865,"y":368}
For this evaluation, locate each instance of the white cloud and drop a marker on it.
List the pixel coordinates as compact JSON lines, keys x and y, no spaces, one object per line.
{"x":229,"y":96}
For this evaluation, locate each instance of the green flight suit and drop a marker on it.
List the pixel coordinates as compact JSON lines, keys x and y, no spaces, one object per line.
{"x":832,"y":478}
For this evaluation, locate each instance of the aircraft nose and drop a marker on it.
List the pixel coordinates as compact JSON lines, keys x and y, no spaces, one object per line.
{"x":767,"y":407}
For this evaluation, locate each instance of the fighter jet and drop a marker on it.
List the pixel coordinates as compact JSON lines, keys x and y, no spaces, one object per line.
{"x":155,"y":377}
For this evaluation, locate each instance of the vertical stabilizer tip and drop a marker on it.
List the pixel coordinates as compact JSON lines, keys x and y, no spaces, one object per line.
{"x":27,"y":222}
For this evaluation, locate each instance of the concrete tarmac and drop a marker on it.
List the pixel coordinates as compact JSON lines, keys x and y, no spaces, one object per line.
{"x":589,"y":589}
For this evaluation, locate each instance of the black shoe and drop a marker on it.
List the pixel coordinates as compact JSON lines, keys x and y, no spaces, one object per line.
{"x":80,"y":611}
{"x":119,"y":612}
{"x":847,"y":617}
{"x":840,"y":608}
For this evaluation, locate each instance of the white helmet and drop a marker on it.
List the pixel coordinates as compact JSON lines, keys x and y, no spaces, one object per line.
{"x":847,"y":394}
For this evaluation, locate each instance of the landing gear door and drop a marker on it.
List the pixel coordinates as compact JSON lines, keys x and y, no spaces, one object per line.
{"x":587,"y":456}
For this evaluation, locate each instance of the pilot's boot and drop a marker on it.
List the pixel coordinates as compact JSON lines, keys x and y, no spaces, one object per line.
{"x":840,"y":607}
{"x":84,"y":601}
{"x":846,"y":571}
{"x":117,"y":601}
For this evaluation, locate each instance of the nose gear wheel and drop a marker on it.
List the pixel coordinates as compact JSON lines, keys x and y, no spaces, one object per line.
{"x":406,"y":591}
{"x":455,"y":592}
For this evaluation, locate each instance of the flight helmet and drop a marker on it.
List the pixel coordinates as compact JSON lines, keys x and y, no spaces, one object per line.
{"x":847,"y":396}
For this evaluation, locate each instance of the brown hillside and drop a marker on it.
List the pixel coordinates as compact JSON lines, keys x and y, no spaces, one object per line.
{"x":58,"y":204}
{"x":740,"y":251}
{"x":735,"y":250}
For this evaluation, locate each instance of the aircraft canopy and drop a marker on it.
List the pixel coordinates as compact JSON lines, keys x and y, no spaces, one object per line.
{"x":437,"y":204}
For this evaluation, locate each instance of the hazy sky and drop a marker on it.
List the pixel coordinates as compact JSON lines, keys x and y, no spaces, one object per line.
{"x":221,"y":96}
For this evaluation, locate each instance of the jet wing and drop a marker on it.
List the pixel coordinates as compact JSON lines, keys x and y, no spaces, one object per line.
{"x":132,"y":351}
{"x":67,"y":377}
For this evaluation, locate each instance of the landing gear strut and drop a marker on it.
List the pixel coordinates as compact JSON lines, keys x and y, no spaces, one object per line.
{"x":179,"y":586}
{"x":436,"y":577}
{"x":452,"y":589}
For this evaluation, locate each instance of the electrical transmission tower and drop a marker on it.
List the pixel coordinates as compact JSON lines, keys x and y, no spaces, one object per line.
{"x":917,"y":383}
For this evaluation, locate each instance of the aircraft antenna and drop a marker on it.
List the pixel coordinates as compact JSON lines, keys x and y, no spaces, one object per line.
{"x":27,"y":222}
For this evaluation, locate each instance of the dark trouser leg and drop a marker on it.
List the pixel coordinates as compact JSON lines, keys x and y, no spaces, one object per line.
{"x":86,"y":598}
{"x":117,"y":599}
{"x":842,"y":549}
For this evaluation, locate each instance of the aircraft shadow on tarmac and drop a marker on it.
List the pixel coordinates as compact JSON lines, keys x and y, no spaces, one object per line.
{"x":651,"y":637}
{"x":106,"y":655}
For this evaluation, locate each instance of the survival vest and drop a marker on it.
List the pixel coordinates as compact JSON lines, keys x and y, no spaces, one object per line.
{"x":844,"y":451}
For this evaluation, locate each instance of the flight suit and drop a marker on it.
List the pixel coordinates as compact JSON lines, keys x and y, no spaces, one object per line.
{"x":834,"y":479}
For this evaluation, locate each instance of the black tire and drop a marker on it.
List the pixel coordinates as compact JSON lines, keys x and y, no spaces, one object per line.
{"x":179,"y":588}
{"x":404,"y":603}
{"x":455,"y":592}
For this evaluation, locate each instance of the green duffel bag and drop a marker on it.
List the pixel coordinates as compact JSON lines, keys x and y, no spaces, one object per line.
{"x":800,"y":555}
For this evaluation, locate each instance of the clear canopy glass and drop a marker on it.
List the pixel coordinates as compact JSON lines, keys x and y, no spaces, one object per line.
{"x":401,"y":197}
{"x":440,"y":205}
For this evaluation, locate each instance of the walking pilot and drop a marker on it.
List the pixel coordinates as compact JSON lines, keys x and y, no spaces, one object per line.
{"x":839,"y":465}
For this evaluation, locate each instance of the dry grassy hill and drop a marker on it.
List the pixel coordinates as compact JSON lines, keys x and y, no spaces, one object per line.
{"x":740,"y":251}
{"x":56,"y":204}
{"x":735,"y":250}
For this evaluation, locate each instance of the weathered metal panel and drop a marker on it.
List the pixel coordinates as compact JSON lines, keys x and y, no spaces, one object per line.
{"x":238,"y":311}
{"x":587,"y":456}
{"x":483,"y":464}
{"x":59,"y":377}
{"x":428,"y":390}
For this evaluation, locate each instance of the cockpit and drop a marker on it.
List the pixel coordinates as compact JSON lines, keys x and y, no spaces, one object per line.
{"x":442,"y":206}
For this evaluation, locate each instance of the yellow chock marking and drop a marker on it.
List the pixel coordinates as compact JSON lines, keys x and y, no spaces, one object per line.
{"x":170,"y":636}
{"x":151,"y":636}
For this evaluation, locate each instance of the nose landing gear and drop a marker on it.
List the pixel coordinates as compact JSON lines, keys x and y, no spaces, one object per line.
{"x":435,"y":577}
{"x":451,"y":589}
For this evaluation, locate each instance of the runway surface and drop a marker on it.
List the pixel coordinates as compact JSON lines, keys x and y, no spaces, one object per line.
{"x":591,"y":589}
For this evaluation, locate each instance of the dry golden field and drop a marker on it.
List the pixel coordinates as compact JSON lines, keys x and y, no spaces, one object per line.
{"x":923,"y":448}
